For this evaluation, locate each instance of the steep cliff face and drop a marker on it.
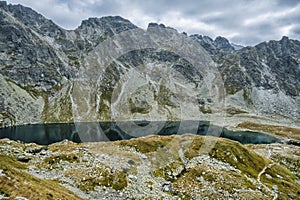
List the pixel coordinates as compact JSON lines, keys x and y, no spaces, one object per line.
{"x":264,"y":77}
{"x":109,"y":69}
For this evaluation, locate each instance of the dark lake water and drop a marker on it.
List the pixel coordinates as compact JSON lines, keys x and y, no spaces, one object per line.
{"x":110,"y":131}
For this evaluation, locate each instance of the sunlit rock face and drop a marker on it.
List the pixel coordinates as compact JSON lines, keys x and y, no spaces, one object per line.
{"x":109,"y":69}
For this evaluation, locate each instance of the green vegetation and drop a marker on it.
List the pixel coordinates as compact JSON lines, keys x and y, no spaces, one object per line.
{"x":60,"y":110}
{"x":170,"y":172}
{"x":285,"y":155}
{"x":104,"y":108}
{"x":64,"y":147}
{"x":187,"y":182}
{"x":150,"y":144}
{"x":62,"y":157}
{"x":74,"y":61}
{"x":16,"y":182}
{"x":273,"y":129}
{"x":6,"y":116}
{"x":238,"y":156}
{"x":283,"y":179}
{"x":102,"y":176}
{"x":205,"y":109}
{"x":164,"y":97}
{"x":137,"y":109}
{"x":235,"y":111}
{"x":293,"y":164}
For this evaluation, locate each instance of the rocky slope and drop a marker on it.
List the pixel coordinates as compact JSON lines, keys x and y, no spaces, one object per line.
{"x":153,"y":167}
{"x":109,"y":69}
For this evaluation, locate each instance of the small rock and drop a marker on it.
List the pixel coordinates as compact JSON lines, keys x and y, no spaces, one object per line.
{"x":132,"y":177}
{"x":16,"y":152}
{"x":199,"y":178}
{"x":1,"y":172}
{"x":34,"y":150}
{"x":126,"y":170}
{"x":278,"y":176}
{"x":23,"y":159}
{"x":43,"y":153}
{"x":268,"y":176}
{"x":166,"y":187}
{"x":131,"y":162}
{"x":275,"y":187}
{"x":21,"y":198}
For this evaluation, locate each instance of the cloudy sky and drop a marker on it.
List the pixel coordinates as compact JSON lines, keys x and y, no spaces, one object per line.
{"x":245,"y":22}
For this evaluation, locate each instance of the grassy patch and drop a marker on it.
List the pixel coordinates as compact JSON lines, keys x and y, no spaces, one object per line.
{"x":240,"y":157}
{"x":282,"y":131}
{"x":205,"y":109}
{"x":16,"y":182}
{"x":148,"y":145}
{"x":293,"y":164}
{"x":137,"y":109}
{"x":187,"y":183}
{"x":235,"y":111}
{"x":60,"y":110}
{"x":194,"y":148}
{"x":170,"y":172}
{"x":233,"y":181}
{"x":164,"y":97}
{"x":100,"y":176}
{"x":64,"y":146}
{"x":283,"y":179}
{"x":61,"y":157}
{"x":233,"y":153}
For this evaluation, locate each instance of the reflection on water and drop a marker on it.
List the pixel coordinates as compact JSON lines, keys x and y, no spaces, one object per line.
{"x":110,"y":131}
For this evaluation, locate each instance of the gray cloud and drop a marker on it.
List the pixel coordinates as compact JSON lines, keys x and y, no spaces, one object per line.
{"x":246,"y":22}
{"x":296,"y":30}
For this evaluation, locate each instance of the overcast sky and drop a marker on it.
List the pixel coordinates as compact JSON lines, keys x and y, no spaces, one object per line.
{"x":245,"y":22}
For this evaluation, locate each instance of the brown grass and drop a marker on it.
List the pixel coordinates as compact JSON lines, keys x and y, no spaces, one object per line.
{"x":282,"y":131}
{"x":17,"y":182}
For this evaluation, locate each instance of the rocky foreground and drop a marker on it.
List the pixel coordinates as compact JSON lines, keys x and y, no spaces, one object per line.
{"x":152,"y":167}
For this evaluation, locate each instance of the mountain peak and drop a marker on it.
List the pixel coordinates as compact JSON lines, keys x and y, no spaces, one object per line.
{"x":223,"y":43}
{"x":112,"y":20}
{"x":152,"y":25}
{"x":156,"y":25}
{"x":284,"y":38}
{"x":213,"y":46}
{"x":3,"y":4}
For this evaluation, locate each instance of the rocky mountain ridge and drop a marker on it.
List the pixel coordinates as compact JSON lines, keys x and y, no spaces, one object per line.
{"x":42,"y":64}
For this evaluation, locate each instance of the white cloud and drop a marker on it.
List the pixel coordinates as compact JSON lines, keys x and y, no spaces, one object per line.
{"x":242,"y":21}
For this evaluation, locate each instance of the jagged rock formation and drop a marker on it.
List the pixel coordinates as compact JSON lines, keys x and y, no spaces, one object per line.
{"x":213,"y":46}
{"x":109,"y":69}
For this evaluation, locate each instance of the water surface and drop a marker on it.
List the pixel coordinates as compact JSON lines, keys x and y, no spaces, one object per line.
{"x":110,"y":131}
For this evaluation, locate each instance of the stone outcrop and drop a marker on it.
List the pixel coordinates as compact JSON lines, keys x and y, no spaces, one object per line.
{"x":155,"y":167}
{"x":109,"y":69}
